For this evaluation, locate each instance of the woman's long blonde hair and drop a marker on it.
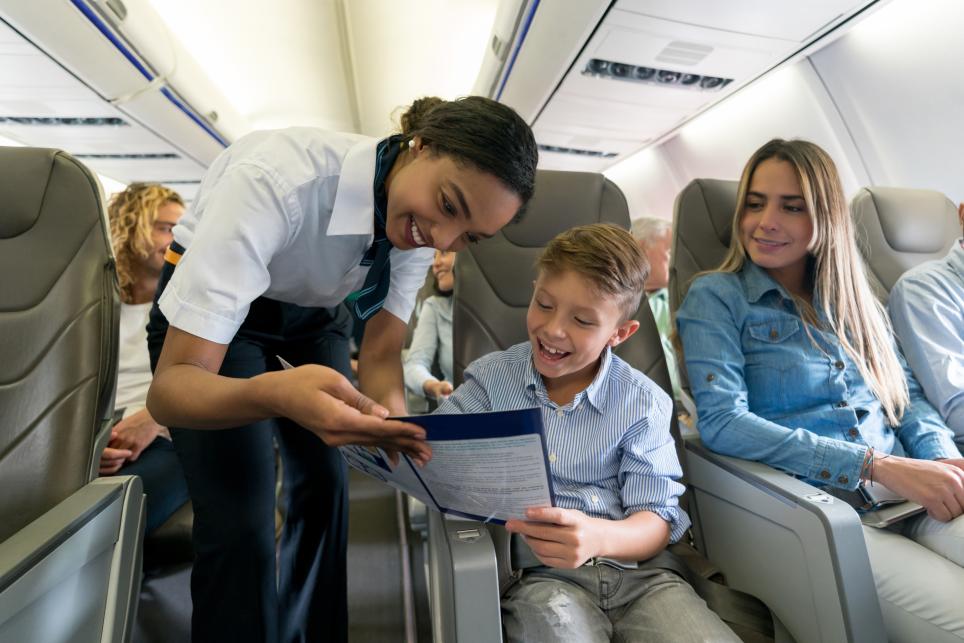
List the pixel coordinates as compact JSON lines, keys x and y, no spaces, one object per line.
{"x":132,"y":214}
{"x":838,"y":273}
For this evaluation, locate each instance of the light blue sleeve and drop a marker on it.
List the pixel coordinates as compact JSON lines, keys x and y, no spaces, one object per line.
{"x":649,"y":469}
{"x":418,"y":361}
{"x":710,"y":322}
{"x":471,"y":396}
{"x":930,"y":330}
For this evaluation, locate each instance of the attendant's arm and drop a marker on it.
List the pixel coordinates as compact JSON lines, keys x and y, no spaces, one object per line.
{"x":715,"y":362}
{"x":188,"y":392}
{"x":928,"y":327}
{"x":567,"y":538}
{"x":380,"y":361}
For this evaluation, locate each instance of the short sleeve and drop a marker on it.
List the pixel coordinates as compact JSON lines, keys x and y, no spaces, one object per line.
{"x":409,"y":268}
{"x":248,"y":218}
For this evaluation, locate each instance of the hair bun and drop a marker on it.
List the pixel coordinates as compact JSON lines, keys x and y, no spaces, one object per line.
{"x":413,"y":117}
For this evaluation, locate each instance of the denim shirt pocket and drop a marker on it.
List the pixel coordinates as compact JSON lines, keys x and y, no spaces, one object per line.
{"x":770,"y":354}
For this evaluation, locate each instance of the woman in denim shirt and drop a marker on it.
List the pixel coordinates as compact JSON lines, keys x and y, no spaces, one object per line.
{"x":792,"y":362}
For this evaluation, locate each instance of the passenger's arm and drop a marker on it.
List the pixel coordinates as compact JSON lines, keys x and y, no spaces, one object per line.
{"x":380,"y":361}
{"x":936,"y":355}
{"x":188,"y":392}
{"x":922,"y":432}
{"x":425,"y":343}
{"x":714,"y":362}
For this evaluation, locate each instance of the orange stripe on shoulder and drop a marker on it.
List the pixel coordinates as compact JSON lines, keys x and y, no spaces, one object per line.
{"x":172,"y":257}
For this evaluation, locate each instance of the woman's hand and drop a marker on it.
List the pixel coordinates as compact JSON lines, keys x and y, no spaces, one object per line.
{"x":323,"y":401}
{"x":937,"y":486}
{"x":134,"y":433}
{"x":558,"y":537}
{"x":436,"y":390}
{"x":111,"y":460}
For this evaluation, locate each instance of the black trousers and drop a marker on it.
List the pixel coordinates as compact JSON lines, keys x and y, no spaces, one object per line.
{"x":237,"y":592}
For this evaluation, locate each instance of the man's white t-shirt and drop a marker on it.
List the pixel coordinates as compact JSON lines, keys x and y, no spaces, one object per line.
{"x":287,"y":214}
{"x":133,"y":363}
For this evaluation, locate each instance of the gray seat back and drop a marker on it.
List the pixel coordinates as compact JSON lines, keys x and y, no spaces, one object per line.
{"x":899,"y":228}
{"x":58,"y":320}
{"x":702,"y":220}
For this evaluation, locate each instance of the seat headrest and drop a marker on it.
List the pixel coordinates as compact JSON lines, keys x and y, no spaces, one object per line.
{"x":702,"y":223}
{"x":899,"y":228}
{"x":563,"y":200}
{"x":24,"y":175}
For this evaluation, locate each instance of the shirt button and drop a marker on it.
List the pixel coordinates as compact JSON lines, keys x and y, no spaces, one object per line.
{"x":552,"y":457}
{"x":595,"y":498}
{"x":773,"y":333}
{"x":841,"y":404}
{"x":559,"y":412}
{"x":853,"y":432}
{"x":823,"y":474}
{"x":838,"y":365}
{"x":843,"y":479}
{"x":710,"y":377}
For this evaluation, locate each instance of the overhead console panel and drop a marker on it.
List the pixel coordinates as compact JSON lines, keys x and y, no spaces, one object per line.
{"x":103,"y":79}
{"x":595,"y":96}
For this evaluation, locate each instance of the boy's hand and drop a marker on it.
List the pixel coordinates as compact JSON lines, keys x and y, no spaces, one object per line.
{"x":564,"y":538}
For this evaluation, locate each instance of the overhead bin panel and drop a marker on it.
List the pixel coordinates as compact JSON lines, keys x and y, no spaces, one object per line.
{"x":796,"y":21}
{"x":585,"y":115}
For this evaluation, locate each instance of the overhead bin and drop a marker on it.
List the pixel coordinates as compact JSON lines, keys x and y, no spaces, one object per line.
{"x":120,"y":51}
{"x":599,"y":81}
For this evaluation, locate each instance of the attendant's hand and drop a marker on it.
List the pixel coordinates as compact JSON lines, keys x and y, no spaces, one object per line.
{"x":134,"y":433}
{"x":111,"y":460}
{"x":324,"y":402}
{"x":436,"y":390}
{"x":937,"y":486}
{"x":558,"y":537}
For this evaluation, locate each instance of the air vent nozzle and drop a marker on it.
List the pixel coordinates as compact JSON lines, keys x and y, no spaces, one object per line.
{"x":600,"y":68}
{"x":99,"y":121}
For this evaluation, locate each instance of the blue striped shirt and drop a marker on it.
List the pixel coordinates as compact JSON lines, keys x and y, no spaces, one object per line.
{"x":610,"y":449}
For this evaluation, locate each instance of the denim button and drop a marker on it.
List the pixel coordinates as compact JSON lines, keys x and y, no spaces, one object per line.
{"x":838,"y":365}
{"x":773,"y":333}
{"x":841,"y":404}
{"x":853,"y":432}
{"x":825,"y":474}
{"x":843,"y":479}
{"x":710,"y":377}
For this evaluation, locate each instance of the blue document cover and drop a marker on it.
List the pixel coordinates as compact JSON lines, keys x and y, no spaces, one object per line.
{"x":485,"y":466}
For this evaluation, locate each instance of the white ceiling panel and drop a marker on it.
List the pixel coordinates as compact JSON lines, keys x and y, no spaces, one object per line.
{"x":787,"y":19}
{"x":585,"y":115}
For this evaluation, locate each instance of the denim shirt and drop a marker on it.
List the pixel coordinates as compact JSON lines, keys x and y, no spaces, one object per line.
{"x":764,"y":392}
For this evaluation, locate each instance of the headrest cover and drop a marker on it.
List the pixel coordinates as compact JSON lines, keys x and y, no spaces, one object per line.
{"x":563,"y":200}
{"x":24,"y":174}
{"x":919,"y":221}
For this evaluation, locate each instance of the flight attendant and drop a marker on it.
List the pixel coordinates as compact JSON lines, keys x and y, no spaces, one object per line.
{"x":285,"y":226}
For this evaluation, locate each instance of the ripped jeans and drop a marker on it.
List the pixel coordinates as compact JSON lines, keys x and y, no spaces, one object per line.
{"x":605,"y":603}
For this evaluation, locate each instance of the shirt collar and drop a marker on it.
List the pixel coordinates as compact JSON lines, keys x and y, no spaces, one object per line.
{"x":354,"y":208}
{"x":595,"y":393}
{"x":758,"y":283}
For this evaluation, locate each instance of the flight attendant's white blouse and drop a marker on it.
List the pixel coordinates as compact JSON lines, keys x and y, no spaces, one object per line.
{"x":286,"y":214}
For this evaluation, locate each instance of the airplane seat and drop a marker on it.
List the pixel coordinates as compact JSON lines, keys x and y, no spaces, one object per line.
{"x":796,"y":547}
{"x":493,"y":286}
{"x":70,"y":543}
{"x":899,"y":228}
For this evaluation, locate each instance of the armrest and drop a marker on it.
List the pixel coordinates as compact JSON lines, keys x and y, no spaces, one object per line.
{"x":79,"y":561}
{"x":798,"y":549}
{"x":463,"y":581}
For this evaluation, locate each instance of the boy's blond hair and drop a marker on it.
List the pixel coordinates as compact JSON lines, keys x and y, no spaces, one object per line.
{"x":607,"y":256}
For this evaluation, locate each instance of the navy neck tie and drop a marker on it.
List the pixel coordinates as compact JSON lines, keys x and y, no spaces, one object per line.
{"x":370,"y":298}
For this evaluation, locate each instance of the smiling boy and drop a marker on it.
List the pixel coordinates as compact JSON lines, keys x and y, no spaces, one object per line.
{"x":611,"y":455}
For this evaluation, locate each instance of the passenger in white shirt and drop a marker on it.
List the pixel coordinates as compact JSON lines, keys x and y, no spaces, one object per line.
{"x":142,"y":218}
{"x":286,"y":225}
{"x":433,"y":335}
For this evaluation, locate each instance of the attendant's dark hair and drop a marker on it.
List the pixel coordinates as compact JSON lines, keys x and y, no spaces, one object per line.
{"x":480,"y":132}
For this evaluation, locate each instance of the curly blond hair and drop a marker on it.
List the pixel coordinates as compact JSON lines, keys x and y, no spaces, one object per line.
{"x":132,"y":214}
